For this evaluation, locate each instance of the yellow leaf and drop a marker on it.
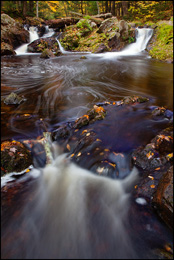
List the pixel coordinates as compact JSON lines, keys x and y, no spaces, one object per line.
{"x":68,"y":147}
{"x":152,"y":186}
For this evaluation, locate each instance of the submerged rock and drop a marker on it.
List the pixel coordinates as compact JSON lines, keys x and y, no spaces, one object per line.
{"x":13,"y":99}
{"x":46,"y":54}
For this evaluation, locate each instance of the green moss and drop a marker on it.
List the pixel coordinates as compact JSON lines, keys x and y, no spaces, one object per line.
{"x":162,"y":48}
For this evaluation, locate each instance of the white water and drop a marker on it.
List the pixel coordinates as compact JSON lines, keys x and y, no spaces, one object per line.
{"x":142,"y":39}
{"x":76,"y":212}
{"x":33,"y":36}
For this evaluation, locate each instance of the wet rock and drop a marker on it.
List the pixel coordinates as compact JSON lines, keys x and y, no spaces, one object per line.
{"x":13,"y":99}
{"x":14,"y":157}
{"x":61,"y":132}
{"x":7,"y":49}
{"x":12,"y":32}
{"x":41,"y":30}
{"x":163,"y":198}
{"x":157,"y":153}
{"x":46,"y":54}
{"x":40,"y":45}
{"x":101,"y":48}
{"x":82,"y":121}
{"x":134,"y":99}
{"x":83,"y":58}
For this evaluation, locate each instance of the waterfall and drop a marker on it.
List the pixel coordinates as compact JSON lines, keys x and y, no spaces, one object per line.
{"x":76,"y":212}
{"x":33,"y":36}
{"x":49,"y":32}
{"x":142,"y":38}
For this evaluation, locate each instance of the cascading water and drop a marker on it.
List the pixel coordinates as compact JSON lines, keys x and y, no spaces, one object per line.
{"x":142,"y":38}
{"x":33,"y":36}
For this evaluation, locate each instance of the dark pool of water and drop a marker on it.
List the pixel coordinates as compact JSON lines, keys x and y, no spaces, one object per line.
{"x":64,"y":88}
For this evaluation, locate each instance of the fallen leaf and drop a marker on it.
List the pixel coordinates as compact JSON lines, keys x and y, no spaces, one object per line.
{"x":152,"y":186}
{"x":68,"y":147}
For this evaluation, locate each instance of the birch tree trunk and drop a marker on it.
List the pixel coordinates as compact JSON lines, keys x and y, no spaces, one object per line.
{"x":37,"y":12}
{"x":98,"y":9}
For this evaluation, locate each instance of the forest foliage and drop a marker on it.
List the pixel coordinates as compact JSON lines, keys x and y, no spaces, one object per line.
{"x":128,"y":10}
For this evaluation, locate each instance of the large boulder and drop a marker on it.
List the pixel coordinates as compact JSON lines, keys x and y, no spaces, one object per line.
{"x":163,"y":198}
{"x":40,"y":45}
{"x":123,"y":28}
{"x":46,"y":54}
{"x":14,"y":157}
{"x":12,"y":33}
{"x":107,"y":24}
{"x":157,"y":153}
{"x":7,"y":49}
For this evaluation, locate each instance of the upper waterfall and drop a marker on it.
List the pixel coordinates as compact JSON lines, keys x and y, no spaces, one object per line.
{"x":142,"y":38}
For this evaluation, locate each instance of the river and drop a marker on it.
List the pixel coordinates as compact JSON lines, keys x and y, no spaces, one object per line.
{"x":61,"y":89}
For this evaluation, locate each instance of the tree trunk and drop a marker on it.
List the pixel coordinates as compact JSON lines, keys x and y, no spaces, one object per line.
{"x":106,"y":6}
{"x":82,"y":7}
{"x":24,"y":9}
{"x":37,"y":9}
{"x":124,"y":8}
{"x":31,"y":6}
{"x":113,"y":8}
{"x":98,"y":9}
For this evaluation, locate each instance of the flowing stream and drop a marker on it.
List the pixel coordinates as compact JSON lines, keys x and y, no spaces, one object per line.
{"x":66,"y":212}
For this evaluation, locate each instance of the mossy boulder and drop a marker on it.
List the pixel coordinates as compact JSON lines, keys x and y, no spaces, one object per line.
{"x":13,"y":99}
{"x":46,"y":54}
{"x":41,"y":44}
{"x":14,"y":157}
{"x":7,"y":49}
{"x":107,"y":24}
{"x":161,"y":44}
